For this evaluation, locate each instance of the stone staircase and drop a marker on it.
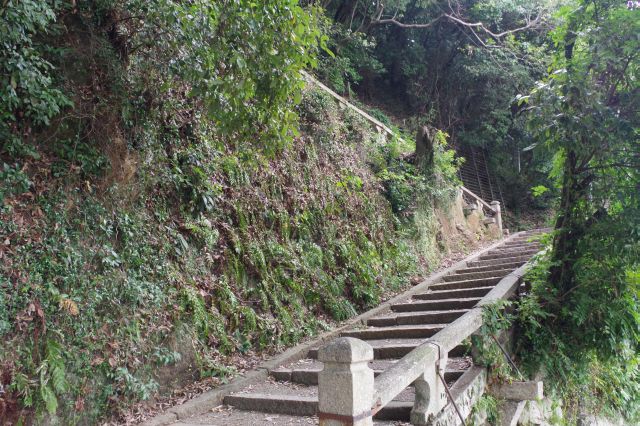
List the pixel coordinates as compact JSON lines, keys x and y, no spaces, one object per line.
{"x":290,"y":393}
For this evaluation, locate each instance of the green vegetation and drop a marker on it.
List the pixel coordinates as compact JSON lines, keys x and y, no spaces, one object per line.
{"x":581,"y":324}
{"x":172,"y":195}
{"x":423,"y":63}
{"x":550,"y":90}
{"x":496,"y":320}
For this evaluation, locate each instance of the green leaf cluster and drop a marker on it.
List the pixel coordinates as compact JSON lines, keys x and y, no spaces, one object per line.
{"x":582,"y":323}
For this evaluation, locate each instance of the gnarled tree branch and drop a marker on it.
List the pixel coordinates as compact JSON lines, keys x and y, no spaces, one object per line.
{"x":477,"y":28}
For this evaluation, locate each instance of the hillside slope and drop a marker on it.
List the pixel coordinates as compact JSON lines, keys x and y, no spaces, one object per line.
{"x":200,"y":256}
{"x":162,"y":223}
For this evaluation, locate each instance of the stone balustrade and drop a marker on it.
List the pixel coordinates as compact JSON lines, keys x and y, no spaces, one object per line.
{"x":349,"y":394}
{"x":493,"y":208}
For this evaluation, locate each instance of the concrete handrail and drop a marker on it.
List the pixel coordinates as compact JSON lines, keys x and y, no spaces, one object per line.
{"x":345,"y":102}
{"x":404,"y":372}
{"x":478,"y":199}
{"x":382,"y":127}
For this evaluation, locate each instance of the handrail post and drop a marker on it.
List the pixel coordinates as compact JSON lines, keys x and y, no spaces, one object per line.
{"x":431,"y":395}
{"x":495,"y":205}
{"x":345,"y":385}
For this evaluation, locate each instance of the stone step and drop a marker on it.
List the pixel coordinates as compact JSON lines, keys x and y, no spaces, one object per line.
{"x":441,"y":304}
{"x":274,"y":403}
{"x":521,"y":240}
{"x":507,"y":254}
{"x":526,"y":247}
{"x":525,"y":238}
{"x":291,"y":390}
{"x":393,"y":332}
{"x":453,"y":285}
{"x":395,"y":413}
{"x":226,"y":415}
{"x":476,"y":275}
{"x":450,"y":294}
{"x":275,"y":399}
{"x":306,"y":371}
{"x":493,"y":262}
{"x":526,"y":243}
{"x":407,"y":318}
{"x":517,"y":247}
{"x":499,"y":266}
{"x":395,"y":348}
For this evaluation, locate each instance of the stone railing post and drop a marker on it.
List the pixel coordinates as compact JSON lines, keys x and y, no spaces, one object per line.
{"x":345,"y":385}
{"x":495,"y":205}
{"x":431,"y":396}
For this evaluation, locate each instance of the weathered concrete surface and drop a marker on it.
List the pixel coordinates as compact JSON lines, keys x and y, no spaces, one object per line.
{"x":488,"y":262}
{"x":345,"y":384}
{"x":449,"y":294}
{"x":510,"y":412}
{"x":276,"y":404}
{"x":461,"y":284}
{"x":461,"y":275}
{"x":442,"y":304}
{"x":540,"y":413}
{"x":398,"y":331}
{"x":508,"y":265}
{"x":518,"y":391}
{"x":466,"y":392}
{"x":161,"y":420}
{"x":431,"y":317}
{"x":512,"y":253}
{"x":228,"y":416}
{"x":431,"y":396}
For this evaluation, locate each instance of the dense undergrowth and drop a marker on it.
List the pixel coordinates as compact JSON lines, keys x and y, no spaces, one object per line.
{"x":585,"y":347}
{"x":157,"y":214}
{"x":101,"y":281}
{"x":581,"y":325}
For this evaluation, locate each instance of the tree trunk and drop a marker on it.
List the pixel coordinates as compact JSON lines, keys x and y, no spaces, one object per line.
{"x":560,"y":273}
{"x":424,"y":148}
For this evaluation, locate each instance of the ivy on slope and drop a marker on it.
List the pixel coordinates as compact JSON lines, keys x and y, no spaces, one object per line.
{"x":161,"y":212}
{"x":291,"y":242}
{"x":165,"y":214}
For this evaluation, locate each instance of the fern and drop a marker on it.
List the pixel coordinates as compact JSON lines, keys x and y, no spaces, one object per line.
{"x":52,"y":376}
{"x":21,"y":385}
{"x":49,"y":398}
{"x":56,"y":366}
